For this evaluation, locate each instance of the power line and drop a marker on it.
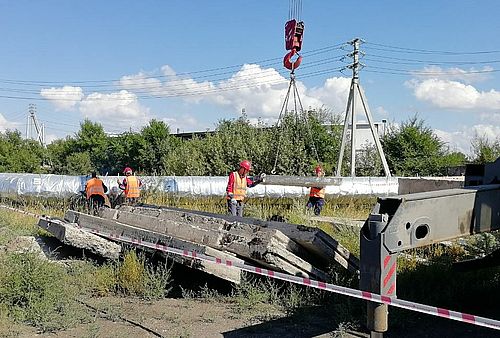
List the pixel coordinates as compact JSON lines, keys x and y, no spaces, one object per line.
{"x":179,"y":83}
{"x":388,"y":59}
{"x":187,"y":92}
{"x":274,"y":61}
{"x":431,"y":73}
{"x":397,"y":49}
{"x":182,"y":87}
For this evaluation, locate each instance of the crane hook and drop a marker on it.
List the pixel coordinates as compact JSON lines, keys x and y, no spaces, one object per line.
{"x":287,"y":60}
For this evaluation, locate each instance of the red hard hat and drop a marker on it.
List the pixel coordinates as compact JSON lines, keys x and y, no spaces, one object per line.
{"x":246,"y":164}
{"x":127,"y":170}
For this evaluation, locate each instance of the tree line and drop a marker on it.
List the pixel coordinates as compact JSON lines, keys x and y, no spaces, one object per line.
{"x":293,"y":148}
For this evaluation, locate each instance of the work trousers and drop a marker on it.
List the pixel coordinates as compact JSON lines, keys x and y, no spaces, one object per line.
{"x":235,"y":209}
{"x":316,"y":203}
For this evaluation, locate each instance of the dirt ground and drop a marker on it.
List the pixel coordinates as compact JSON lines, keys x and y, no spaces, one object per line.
{"x":187,"y":318}
{"x":197,"y":318}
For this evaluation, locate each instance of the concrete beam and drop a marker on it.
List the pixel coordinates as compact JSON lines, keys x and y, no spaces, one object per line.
{"x":71,"y":235}
{"x":314,"y":244}
{"x":301,"y":181}
{"x":267,"y":245}
{"x":100,"y":224}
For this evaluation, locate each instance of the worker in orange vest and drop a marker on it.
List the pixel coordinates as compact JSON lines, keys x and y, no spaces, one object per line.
{"x":237,"y":185}
{"x":317,"y":194}
{"x":95,"y":191}
{"x":131,"y":185}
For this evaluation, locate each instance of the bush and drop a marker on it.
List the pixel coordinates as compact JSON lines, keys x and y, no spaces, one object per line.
{"x":136,"y":278}
{"x":37,"y":292}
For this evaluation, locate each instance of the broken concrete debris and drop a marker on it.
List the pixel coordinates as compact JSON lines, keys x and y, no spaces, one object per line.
{"x":294,"y":249}
{"x":70,"y":234}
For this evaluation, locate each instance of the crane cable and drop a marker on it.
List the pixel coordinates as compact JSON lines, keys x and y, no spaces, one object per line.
{"x":294,"y":44}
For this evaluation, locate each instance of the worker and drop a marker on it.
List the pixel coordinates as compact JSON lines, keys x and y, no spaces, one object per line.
{"x":95,"y":191}
{"x":131,"y":185}
{"x":317,"y":194}
{"x":237,"y":187}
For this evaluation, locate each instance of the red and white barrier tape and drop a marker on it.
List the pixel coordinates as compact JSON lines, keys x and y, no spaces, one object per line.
{"x":431,"y":310}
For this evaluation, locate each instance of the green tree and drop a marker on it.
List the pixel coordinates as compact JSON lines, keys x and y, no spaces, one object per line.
{"x":368,"y":162}
{"x":157,"y":144}
{"x":484,"y":150}
{"x":20,"y":156}
{"x":58,"y":153}
{"x":413,"y":149}
{"x":187,"y":159}
{"x":92,"y":139}
{"x":79,"y":164}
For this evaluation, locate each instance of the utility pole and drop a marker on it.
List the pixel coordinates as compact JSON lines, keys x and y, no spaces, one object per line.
{"x":32,"y":126}
{"x":350,"y":114}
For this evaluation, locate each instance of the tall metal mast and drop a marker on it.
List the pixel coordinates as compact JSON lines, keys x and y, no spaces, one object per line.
{"x":33,"y":126}
{"x":350,"y":114}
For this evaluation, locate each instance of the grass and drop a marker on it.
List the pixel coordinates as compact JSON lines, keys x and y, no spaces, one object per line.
{"x":135,"y":277}
{"x":44,"y":295}
{"x":37,"y":292}
{"x":424,"y":275}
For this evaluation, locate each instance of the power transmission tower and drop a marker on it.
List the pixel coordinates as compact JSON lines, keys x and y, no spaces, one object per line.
{"x":350,"y":115}
{"x":33,"y":126}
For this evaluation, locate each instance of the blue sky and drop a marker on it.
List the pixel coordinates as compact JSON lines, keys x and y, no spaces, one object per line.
{"x":192,"y":63}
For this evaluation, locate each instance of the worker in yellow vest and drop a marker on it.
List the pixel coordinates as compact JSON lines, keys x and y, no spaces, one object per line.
{"x":237,"y":185}
{"x":95,"y":191}
{"x":131,"y":185}
{"x":317,"y":194}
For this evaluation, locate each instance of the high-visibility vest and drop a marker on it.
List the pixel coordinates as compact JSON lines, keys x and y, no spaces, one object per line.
{"x":240,"y":187}
{"x":317,"y":192}
{"x":94,"y":187}
{"x":132,"y":188}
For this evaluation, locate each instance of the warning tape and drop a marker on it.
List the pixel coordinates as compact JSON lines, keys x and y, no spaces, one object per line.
{"x":431,"y":310}
{"x":393,"y":301}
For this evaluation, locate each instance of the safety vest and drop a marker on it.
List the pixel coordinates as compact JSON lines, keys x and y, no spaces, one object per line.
{"x":240,"y":187}
{"x":94,"y":187}
{"x":132,"y":188}
{"x":317,"y":192}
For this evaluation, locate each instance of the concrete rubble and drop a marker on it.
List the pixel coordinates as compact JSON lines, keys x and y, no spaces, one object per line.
{"x":294,"y":249}
{"x":72,"y":235}
{"x":312,"y":244}
{"x":121,"y":229}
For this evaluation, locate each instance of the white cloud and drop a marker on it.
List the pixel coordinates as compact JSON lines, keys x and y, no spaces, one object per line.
{"x":121,"y":108}
{"x":63,"y":98}
{"x":461,"y":140}
{"x":170,"y":85}
{"x":468,"y":76}
{"x":381,"y":112}
{"x":333,"y":93}
{"x":452,"y":88}
{"x":185,"y":123}
{"x":490,"y":117}
{"x":49,"y":138}
{"x":455,"y":95}
{"x":5,"y":124}
{"x":260,"y":91}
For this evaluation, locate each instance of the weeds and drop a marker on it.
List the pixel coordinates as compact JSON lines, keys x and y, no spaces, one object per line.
{"x":135,"y":277}
{"x":37,"y":292}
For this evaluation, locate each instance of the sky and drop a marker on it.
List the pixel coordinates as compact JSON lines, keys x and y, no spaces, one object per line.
{"x":193,"y":63}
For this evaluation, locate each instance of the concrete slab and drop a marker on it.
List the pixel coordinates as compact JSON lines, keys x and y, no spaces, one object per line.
{"x":101,"y":224}
{"x":71,"y":235}
{"x":317,"y":246}
{"x":267,"y":245}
